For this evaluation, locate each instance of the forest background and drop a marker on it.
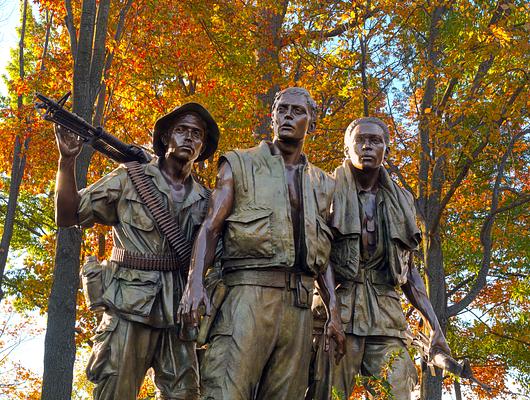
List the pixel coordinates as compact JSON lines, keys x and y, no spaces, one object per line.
{"x":449,"y":77}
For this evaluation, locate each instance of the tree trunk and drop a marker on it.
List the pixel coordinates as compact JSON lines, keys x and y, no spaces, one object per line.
{"x":431,"y":386}
{"x":17,"y":172}
{"x":458,"y":390}
{"x":364,"y":79}
{"x":18,"y":166}
{"x":89,"y":54}
{"x":59,"y":344}
{"x":268,"y":60}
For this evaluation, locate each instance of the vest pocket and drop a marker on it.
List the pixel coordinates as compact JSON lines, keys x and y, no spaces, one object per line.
{"x":248,"y":234}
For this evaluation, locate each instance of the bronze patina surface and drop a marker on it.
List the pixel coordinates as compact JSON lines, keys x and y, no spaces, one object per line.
{"x":375,"y":234}
{"x":271,"y":207}
{"x":138,"y":330}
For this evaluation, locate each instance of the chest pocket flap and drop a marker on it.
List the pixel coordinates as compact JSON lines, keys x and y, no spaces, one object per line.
{"x":136,"y":213}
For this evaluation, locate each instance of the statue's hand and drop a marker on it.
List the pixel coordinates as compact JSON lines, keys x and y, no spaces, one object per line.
{"x":333,"y":331}
{"x":438,"y":344}
{"x":68,"y":143}
{"x":193,"y":298}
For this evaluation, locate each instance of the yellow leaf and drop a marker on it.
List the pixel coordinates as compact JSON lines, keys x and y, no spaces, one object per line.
{"x":500,"y":34}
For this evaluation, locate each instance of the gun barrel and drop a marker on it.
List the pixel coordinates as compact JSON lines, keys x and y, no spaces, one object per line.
{"x":98,"y":138}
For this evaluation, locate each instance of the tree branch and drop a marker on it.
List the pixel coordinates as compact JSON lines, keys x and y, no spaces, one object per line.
{"x":446,"y":96}
{"x":69,"y":22}
{"x":97,"y":63}
{"x":459,"y":286}
{"x":49,"y":20}
{"x":485,"y":236}
{"x":459,"y":179}
{"x":100,"y":106}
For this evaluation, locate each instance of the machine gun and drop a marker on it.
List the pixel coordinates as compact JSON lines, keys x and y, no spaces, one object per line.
{"x":100,"y":140}
{"x":443,"y":361}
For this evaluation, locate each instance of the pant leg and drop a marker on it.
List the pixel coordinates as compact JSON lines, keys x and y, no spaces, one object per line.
{"x":382,"y":352}
{"x":242,"y":338}
{"x":286,"y":373}
{"x":320,"y":368}
{"x":343,"y":374}
{"x":120,"y":358}
{"x":176,"y":372}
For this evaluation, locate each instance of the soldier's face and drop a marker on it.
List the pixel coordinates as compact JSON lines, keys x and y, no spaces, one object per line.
{"x":366,"y":146}
{"x":291,"y":118}
{"x":185,"y":137}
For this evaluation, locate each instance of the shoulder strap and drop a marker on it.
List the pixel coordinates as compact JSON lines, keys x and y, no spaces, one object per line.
{"x":167,"y":225}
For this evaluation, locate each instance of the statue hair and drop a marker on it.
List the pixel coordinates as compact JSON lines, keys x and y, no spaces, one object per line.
{"x":312,"y":105}
{"x":368,"y":120}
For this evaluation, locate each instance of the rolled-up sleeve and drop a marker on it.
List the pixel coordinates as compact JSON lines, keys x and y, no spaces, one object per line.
{"x":99,"y":201}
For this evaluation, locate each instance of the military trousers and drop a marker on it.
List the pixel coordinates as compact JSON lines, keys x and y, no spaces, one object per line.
{"x":376,"y":356}
{"x":123,"y":352}
{"x":260,"y":346}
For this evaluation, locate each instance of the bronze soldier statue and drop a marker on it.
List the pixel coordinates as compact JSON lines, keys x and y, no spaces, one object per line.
{"x":375,"y":229}
{"x":144,"y":279}
{"x":272,"y":208}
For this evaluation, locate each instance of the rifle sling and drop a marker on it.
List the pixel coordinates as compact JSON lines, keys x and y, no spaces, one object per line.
{"x":166,"y":223}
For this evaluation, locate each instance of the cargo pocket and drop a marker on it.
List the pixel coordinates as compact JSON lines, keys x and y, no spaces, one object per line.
{"x":136,"y":291}
{"x":345,"y":298}
{"x":222,"y":324}
{"x":248,"y":233}
{"x":323,"y":244}
{"x":92,"y":282}
{"x":344,"y":257}
{"x":103,"y":362}
{"x":390,"y":306}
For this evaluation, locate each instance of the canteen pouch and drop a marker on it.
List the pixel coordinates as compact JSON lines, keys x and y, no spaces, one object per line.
{"x":303,"y":293}
{"x":92,"y":281}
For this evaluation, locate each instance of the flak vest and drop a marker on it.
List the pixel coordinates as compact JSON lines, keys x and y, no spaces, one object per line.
{"x":402,"y":235}
{"x":259,"y":231}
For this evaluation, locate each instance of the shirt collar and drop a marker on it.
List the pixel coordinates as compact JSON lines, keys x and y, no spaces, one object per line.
{"x":197,"y":192}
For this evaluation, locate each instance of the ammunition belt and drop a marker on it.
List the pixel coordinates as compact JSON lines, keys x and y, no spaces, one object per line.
{"x":145,"y":262}
{"x":151,"y":197}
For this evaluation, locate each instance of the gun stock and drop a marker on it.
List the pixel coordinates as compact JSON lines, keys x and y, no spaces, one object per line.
{"x":97,"y":137}
{"x":443,"y":361}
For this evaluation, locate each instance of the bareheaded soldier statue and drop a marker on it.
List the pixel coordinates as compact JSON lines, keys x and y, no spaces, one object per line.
{"x":375,"y":234}
{"x":271,"y":207}
{"x":140,"y":288}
